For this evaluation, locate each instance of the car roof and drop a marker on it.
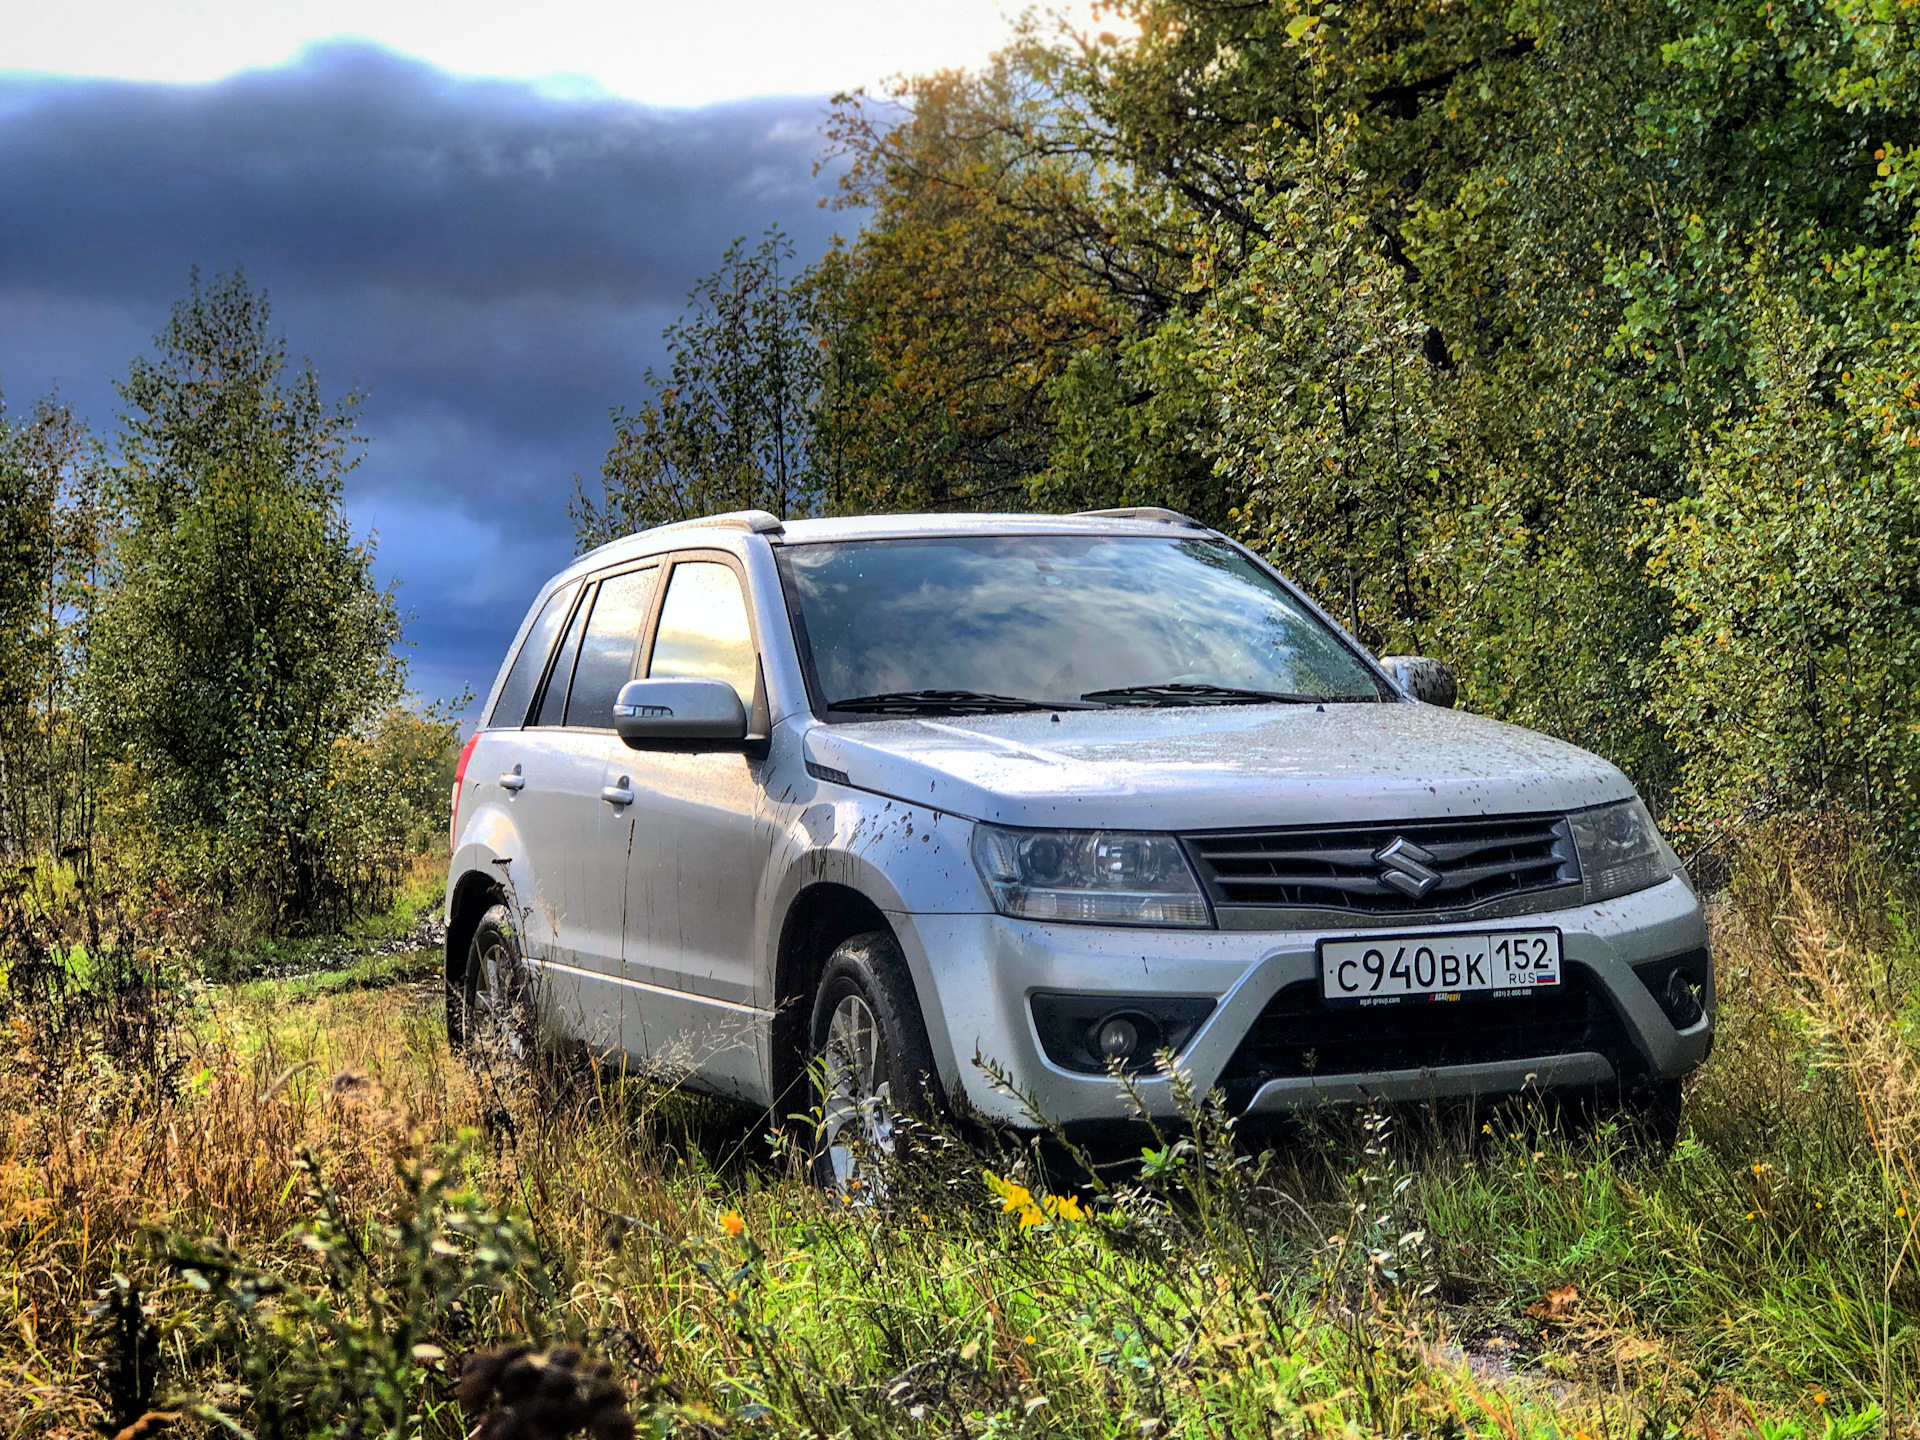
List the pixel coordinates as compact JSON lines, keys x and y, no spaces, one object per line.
{"x":718,"y":530}
{"x":889,"y":527}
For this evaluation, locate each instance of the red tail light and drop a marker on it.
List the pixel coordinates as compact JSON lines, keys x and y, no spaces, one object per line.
{"x":459,"y":780}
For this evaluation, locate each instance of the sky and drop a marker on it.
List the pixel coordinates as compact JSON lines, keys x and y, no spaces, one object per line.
{"x":480,"y":220}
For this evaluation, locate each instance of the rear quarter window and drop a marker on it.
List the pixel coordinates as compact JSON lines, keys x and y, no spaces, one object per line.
{"x":516,"y":693}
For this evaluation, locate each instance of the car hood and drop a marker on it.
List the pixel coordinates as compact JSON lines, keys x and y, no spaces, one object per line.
{"x":1203,"y":768}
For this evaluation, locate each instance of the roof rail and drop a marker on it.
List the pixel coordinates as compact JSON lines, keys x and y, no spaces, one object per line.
{"x":759,"y":522}
{"x":1157,"y":513}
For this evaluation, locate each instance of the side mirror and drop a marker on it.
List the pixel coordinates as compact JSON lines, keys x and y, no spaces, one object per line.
{"x":1424,"y":679}
{"x":655,"y":712}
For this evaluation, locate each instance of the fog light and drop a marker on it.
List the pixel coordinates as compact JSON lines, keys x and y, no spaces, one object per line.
{"x":1115,"y":1038}
{"x":1682,"y":1004}
{"x":1681,"y":984}
{"x":1088,"y":1032}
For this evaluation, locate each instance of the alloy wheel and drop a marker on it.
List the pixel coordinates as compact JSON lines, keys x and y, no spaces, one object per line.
{"x":498,"y":1004}
{"x":856,"y":1112}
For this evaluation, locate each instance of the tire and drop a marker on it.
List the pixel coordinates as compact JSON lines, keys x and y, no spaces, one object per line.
{"x":491,"y":1015}
{"x":1651,"y":1112}
{"x":867,"y":1049}
{"x":1646,"y":1111}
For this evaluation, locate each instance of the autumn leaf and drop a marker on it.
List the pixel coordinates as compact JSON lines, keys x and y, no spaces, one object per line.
{"x":1556,"y":1305}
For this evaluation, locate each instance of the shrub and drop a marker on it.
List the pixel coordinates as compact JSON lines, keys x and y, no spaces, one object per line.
{"x":1792,"y":674}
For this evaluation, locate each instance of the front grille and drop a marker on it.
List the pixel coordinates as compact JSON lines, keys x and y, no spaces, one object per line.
{"x":1336,"y":867}
{"x":1298,"y":1035}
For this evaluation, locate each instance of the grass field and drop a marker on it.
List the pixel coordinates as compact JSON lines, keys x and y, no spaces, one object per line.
{"x":322,"y":1213}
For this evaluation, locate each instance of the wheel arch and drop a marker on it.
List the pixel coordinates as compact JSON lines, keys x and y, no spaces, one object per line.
{"x":818,"y":920}
{"x":473,"y":894}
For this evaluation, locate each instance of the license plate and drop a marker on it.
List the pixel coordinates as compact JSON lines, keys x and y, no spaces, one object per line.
{"x":1399,"y":969}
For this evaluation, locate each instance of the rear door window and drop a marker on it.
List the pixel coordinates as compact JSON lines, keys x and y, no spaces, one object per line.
{"x":612,"y":639}
{"x":516,"y":694}
{"x":703,"y":631}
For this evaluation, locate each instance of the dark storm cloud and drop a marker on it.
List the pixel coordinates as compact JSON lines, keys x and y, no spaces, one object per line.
{"x":492,"y":263}
{"x":356,"y":166}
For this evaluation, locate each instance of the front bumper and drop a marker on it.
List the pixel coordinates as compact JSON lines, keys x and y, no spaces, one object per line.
{"x":976,"y":975}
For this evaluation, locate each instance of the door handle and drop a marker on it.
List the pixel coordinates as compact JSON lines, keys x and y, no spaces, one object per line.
{"x":621,"y":794}
{"x":513,"y":780}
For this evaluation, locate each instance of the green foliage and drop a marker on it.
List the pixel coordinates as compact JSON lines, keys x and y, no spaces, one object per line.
{"x":1130,"y":428}
{"x":89,"y":1003}
{"x":50,"y":541}
{"x":28,"y":496}
{"x":360,"y":1349}
{"x":726,"y":428}
{"x":1481,"y":319}
{"x":1794,"y":668}
{"x":242,"y":636}
{"x":203,"y":687}
{"x":1331,"y":419}
{"x":391,"y":786}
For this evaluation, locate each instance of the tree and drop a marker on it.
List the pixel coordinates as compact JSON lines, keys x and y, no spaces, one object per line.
{"x":28,"y":489}
{"x":1323,"y":277}
{"x":242,"y":634}
{"x":727,"y":428}
{"x":1793,"y":674}
{"x":1468,"y":314}
{"x":964,"y":299}
{"x":49,"y":555}
{"x":1332,"y":420}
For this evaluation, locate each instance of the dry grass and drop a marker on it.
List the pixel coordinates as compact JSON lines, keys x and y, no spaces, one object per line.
{"x":1393,"y":1276}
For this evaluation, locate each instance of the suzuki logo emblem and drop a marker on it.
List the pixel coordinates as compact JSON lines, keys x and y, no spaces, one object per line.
{"x":1407,"y":867}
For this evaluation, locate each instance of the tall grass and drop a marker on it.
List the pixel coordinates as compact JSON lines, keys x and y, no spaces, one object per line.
{"x":1405,"y":1273}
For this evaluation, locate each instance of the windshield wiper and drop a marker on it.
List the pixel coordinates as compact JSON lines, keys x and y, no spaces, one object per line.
{"x":1178,"y":693}
{"x":941,"y":702}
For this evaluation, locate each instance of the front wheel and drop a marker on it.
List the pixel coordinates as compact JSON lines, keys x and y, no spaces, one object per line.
{"x":1652,"y":1111}
{"x":491,"y":1012}
{"x":1645,"y":1113}
{"x":868,"y":1051}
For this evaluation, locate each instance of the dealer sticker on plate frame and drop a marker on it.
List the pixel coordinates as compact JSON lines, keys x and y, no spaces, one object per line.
{"x":1398,"y":969}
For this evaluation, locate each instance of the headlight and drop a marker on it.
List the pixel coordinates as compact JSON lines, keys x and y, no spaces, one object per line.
{"x":1620,"y":850}
{"x":1098,"y":877}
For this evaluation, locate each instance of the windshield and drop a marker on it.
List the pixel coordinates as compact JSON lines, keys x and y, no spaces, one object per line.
{"x":973,"y":624}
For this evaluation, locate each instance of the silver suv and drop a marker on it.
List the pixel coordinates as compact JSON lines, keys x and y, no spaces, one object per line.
{"x":906,"y":801}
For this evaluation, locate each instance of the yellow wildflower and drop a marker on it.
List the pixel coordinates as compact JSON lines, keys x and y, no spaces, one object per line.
{"x":732,"y":1223}
{"x":1017,"y":1200}
{"x":1066,"y":1207}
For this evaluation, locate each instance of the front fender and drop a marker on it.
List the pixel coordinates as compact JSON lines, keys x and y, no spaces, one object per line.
{"x":906,"y":859}
{"x":902,"y":857}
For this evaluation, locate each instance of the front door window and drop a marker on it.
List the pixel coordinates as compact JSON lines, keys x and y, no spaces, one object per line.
{"x":703,"y":632}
